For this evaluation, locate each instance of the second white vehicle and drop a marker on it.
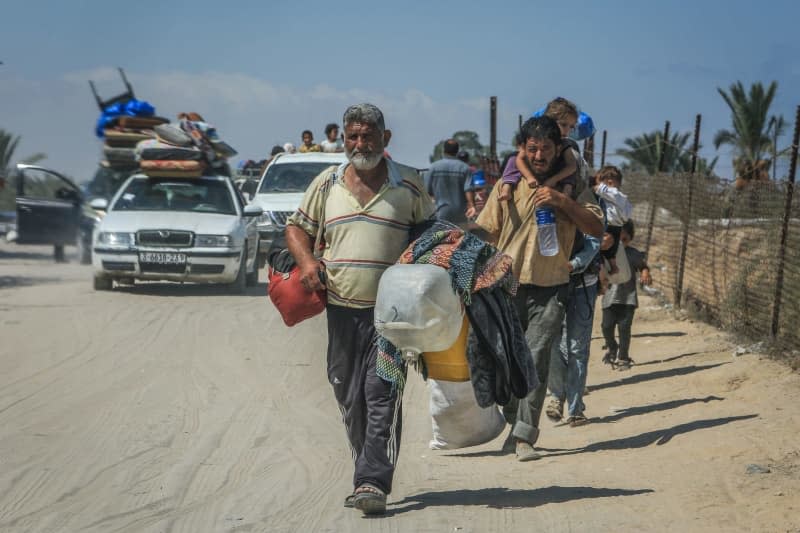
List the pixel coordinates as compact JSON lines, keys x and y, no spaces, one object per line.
{"x":177,"y":229}
{"x":281,"y":190}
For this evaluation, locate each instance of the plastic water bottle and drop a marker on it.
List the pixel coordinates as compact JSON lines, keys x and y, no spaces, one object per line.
{"x":546,"y":229}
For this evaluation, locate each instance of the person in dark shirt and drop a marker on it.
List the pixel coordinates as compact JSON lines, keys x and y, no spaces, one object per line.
{"x":620,"y":302}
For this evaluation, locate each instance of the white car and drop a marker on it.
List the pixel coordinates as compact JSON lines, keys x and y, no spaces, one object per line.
{"x":176,"y":229}
{"x":280,"y":192}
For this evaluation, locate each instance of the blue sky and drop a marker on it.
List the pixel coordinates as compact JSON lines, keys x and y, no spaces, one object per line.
{"x":264,"y":71}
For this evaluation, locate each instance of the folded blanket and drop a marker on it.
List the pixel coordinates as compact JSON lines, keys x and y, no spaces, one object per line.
{"x":155,"y":150}
{"x":112,"y":153}
{"x":167,"y":133}
{"x":120,"y":138}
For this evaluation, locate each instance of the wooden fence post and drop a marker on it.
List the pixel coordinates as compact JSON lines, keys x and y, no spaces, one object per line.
{"x":603,"y":150}
{"x":776,"y":308}
{"x":688,"y":216}
{"x":654,"y":195}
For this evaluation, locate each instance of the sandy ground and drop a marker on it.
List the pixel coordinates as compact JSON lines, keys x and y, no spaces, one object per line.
{"x":180,"y":408}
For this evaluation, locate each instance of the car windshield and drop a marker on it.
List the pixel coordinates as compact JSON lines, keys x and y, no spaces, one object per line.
{"x":291,"y":177}
{"x":184,"y":194}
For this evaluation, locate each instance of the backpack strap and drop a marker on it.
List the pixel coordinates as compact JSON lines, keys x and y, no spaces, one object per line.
{"x":325,"y":189}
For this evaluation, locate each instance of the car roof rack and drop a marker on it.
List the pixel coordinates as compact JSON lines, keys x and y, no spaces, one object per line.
{"x":119,"y":99}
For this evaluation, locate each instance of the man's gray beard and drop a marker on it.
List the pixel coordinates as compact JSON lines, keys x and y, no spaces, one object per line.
{"x":364,"y":162}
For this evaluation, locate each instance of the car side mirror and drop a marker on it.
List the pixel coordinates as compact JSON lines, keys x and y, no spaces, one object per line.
{"x":100,"y":204}
{"x":253,"y":211}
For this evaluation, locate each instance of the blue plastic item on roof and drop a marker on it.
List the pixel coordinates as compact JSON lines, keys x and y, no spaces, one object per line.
{"x":132,"y":108}
{"x":582,"y":130}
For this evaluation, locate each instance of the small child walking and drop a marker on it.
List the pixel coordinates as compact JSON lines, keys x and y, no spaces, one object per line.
{"x":620,"y":303}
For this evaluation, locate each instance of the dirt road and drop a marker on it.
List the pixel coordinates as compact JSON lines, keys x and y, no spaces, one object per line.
{"x":180,"y":408}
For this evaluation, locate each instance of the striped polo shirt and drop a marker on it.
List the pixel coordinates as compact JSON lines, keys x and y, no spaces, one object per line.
{"x":362,"y":241}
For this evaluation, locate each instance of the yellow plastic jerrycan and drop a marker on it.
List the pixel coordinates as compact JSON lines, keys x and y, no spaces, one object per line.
{"x":450,"y":364}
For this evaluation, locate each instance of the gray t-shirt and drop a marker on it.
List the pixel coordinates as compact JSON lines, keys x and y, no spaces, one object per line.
{"x":446,"y":181}
{"x":625,"y":293}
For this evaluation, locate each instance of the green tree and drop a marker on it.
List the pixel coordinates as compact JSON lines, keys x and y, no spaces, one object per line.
{"x":8,"y":145}
{"x":468,"y":141}
{"x":643,"y":154}
{"x":753,"y":127}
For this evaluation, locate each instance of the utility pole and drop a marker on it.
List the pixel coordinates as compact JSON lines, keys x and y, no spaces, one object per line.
{"x":654,"y":189}
{"x":603,"y":150}
{"x":493,"y":126}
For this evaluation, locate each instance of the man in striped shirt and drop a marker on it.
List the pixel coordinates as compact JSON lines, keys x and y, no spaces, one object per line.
{"x":364,"y":210}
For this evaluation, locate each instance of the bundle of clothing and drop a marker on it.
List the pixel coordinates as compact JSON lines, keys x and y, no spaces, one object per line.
{"x":122,"y":126}
{"x":188,"y":148}
{"x":499,"y":359}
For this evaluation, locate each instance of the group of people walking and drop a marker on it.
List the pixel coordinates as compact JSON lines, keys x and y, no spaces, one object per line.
{"x":362,"y":212}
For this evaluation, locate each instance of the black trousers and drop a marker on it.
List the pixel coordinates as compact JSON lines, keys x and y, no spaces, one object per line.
{"x":371,"y":407}
{"x":619,"y":316}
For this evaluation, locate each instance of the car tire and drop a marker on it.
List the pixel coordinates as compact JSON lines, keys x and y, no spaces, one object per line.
{"x":84,"y":251}
{"x":239,"y":285}
{"x":252,"y":277}
{"x":102,"y":283}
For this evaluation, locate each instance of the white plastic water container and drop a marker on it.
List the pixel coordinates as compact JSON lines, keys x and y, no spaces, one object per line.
{"x":417,"y":309}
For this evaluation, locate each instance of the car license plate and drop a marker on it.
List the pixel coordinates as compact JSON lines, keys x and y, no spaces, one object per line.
{"x":162,"y":258}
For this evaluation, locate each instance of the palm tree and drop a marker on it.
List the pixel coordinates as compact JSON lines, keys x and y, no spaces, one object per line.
{"x":752,"y":125}
{"x":8,"y":145}
{"x":644,"y":152}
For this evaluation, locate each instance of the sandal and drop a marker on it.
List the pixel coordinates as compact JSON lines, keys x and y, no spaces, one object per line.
{"x":624,"y":364}
{"x":369,"y":499}
{"x":610,"y":358}
{"x":350,"y":500}
{"x":577,"y":420}
{"x":555,"y":409}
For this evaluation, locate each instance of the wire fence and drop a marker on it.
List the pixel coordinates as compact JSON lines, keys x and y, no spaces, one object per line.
{"x":716,"y":251}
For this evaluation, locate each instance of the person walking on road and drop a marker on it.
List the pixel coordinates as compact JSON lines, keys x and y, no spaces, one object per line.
{"x":569,"y":358}
{"x":620,"y":302}
{"x":364,"y":210}
{"x":541,"y":297}
{"x":449,"y":180}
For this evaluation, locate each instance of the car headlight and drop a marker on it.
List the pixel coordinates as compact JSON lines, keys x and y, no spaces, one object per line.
{"x":264,"y":220}
{"x":202,"y":241}
{"x":115,"y":238}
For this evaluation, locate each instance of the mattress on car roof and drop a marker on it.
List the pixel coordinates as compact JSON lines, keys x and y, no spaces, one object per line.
{"x":151,"y":165}
{"x":112,"y":153}
{"x":155,"y":150}
{"x":138,"y":123}
{"x":125,"y":138}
